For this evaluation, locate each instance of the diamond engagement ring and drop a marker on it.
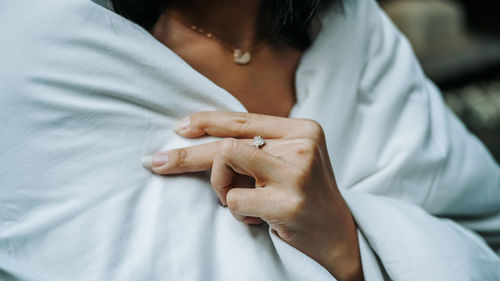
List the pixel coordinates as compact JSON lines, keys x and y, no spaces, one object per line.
{"x":258,"y":141}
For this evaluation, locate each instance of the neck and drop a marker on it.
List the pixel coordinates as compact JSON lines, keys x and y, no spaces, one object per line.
{"x":240,"y":23}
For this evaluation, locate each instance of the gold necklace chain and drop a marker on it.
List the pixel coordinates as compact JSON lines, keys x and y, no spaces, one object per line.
{"x":239,"y":57}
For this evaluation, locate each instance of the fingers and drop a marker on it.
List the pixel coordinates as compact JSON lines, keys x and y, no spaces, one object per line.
{"x":238,"y":158}
{"x":250,"y":205}
{"x":200,"y":157}
{"x":188,"y":159}
{"x":246,"y":125}
{"x":226,"y":159}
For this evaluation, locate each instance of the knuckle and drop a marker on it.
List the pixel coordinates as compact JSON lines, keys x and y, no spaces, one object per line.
{"x":242,"y":122}
{"x":215,"y":180}
{"x":240,"y":117}
{"x":314,"y":129}
{"x":196,"y":119}
{"x":295,"y":206}
{"x":180,"y":158}
{"x":306,"y":147}
{"x":232,"y":203}
{"x":228,"y":147}
{"x":308,"y":151}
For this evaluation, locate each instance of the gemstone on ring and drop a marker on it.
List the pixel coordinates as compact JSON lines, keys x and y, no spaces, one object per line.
{"x":258,"y":141}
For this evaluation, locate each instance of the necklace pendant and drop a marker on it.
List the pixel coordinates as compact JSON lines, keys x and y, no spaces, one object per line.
{"x":241,"y":58}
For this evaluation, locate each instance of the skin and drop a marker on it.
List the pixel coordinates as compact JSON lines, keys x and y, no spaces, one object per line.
{"x":266,"y":85}
{"x":293,"y":183}
{"x":295,"y":190}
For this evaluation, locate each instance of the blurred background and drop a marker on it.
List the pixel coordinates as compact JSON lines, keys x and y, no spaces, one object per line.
{"x":458,"y":45}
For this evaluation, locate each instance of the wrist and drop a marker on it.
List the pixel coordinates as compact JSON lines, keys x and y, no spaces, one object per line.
{"x":345,"y":258}
{"x":347,"y":263}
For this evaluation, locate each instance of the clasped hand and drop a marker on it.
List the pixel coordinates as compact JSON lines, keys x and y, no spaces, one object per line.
{"x":295,"y":191}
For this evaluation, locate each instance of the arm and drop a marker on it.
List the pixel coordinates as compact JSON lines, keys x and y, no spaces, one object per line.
{"x":440,"y":165}
{"x":442,"y":168}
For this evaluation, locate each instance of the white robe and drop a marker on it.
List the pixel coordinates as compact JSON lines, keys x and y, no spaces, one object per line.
{"x":85,"y":94}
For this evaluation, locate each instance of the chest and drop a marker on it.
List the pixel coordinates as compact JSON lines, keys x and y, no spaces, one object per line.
{"x":266,"y":85}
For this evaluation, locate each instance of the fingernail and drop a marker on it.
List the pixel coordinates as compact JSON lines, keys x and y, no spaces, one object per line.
{"x":183,"y":124}
{"x":147,"y":161}
{"x":155,"y":160}
{"x":220,"y":203}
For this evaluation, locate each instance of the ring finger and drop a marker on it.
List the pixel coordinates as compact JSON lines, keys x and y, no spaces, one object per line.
{"x":200,"y":157}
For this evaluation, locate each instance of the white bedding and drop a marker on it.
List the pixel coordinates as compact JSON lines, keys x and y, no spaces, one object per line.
{"x":85,"y":94}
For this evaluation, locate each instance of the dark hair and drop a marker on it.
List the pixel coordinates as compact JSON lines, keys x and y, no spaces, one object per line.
{"x":292,"y":18}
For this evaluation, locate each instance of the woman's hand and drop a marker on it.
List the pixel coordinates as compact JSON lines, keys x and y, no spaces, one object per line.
{"x":295,"y":190}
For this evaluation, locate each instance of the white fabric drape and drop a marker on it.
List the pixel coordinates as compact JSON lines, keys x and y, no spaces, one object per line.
{"x":85,"y":94}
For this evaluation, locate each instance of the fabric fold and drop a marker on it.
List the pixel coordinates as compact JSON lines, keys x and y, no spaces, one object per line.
{"x":413,"y":245}
{"x":85,"y":94}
